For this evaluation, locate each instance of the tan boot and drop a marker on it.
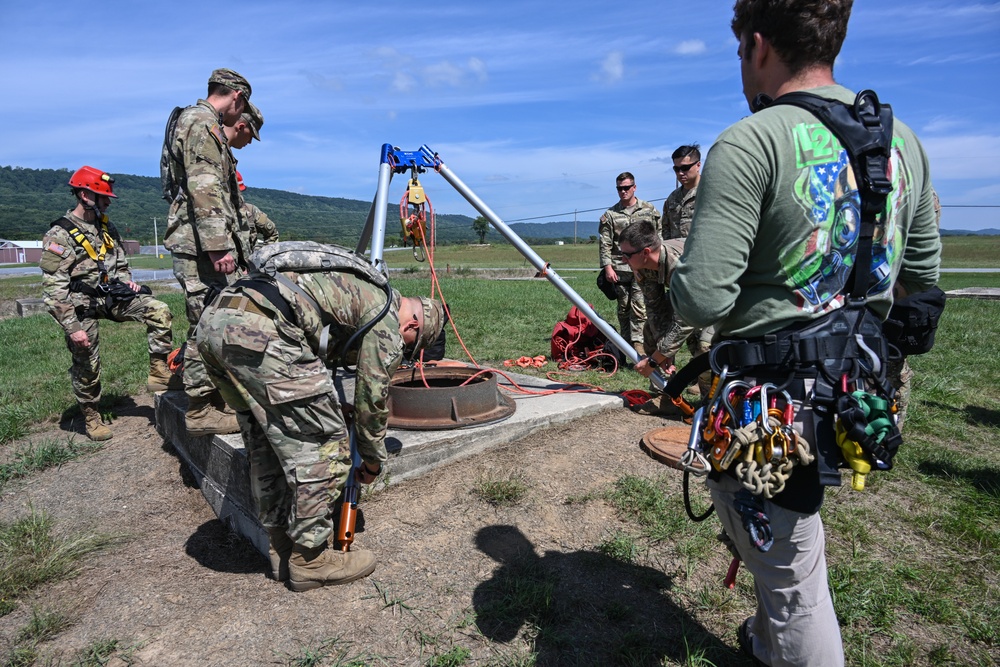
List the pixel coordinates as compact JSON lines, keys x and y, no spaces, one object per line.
{"x":280,"y":550}
{"x":160,"y":378}
{"x":96,"y":430}
{"x":203,"y":418}
{"x":322,"y":566}
{"x":658,"y":406}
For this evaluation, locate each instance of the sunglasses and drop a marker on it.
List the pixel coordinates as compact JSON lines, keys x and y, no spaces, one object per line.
{"x":629,"y":255}
{"x":625,"y":188}
{"x":683,"y":168}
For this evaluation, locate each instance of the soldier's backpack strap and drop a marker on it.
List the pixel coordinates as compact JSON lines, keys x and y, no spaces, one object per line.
{"x":309,"y":256}
{"x":171,"y":188}
{"x":107,"y":241}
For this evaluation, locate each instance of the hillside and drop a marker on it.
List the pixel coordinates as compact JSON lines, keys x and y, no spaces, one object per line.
{"x":31,"y":198}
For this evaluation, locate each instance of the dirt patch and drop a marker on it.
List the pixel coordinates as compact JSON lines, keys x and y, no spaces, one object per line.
{"x":187,"y":592}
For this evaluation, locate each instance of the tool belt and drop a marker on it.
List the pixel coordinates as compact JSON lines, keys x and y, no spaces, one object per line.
{"x":110,"y":292}
{"x":746,"y":428}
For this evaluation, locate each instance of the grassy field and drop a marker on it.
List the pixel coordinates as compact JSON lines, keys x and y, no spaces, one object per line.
{"x":918,"y":552}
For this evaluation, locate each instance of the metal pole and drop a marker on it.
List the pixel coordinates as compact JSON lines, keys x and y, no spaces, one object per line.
{"x":380,"y":206}
{"x":574,"y":226}
{"x":544,"y":268}
{"x":156,"y":243}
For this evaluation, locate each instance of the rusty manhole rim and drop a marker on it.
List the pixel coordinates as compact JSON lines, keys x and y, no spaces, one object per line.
{"x":448,"y":405}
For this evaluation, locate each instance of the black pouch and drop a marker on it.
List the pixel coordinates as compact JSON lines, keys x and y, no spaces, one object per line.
{"x":606,"y":286}
{"x":913,"y":321}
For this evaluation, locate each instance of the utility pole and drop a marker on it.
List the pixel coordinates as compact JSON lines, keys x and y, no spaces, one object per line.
{"x":156,"y":243}
{"x":574,"y":226}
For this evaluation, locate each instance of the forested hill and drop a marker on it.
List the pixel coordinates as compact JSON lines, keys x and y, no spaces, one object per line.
{"x":30,"y":199}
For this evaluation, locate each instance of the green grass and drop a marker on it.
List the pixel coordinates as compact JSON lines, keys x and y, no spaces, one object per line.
{"x":32,"y":553}
{"x":30,"y":458}
{"x":501,"y":489}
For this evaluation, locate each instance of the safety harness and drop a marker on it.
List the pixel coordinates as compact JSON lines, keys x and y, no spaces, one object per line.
{"x":746,"y":428}
{"x":110,"y":290}
{"x":268,"y":263}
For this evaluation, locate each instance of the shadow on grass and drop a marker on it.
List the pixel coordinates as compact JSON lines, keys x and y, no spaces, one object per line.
{"x":216,"y":547}
{"x":985,"y":480}
{"x":121,"y":405}
{"x":585,"y":608}
{"x":975,"y":415}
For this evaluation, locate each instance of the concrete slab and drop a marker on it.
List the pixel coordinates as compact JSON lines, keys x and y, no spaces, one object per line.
{"x":987,"y":293}
{"x":29,"y":307}
{"x":220,"y":467}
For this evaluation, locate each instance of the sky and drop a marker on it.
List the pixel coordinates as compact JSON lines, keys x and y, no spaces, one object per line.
{"x":535,"y":106}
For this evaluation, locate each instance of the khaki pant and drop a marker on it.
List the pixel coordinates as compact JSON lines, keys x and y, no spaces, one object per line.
{"x":795,"y":624}
{"x":631,"y":310}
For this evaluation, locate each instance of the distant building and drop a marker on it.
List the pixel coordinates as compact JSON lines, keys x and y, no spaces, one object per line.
{"x":20,"y":252}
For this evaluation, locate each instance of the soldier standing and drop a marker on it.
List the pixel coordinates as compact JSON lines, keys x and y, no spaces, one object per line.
{"x":262,"y":229}
{"x":205,"y":234}
{"x":86,"y":278}
{"x":631,"y":308}
{"x":264,"y":343}
{"x":678,"y":209}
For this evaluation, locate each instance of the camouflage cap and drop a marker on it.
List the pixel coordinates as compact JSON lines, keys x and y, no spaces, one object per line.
{"x":254,"y":118}
{"x":233,"y":80}
{"x":433,"y":323}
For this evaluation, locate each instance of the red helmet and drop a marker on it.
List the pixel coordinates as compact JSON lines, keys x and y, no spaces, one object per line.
{"x":239,"y":181}
{"x":94,"y":180}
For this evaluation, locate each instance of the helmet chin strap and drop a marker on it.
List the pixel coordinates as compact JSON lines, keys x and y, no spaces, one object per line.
{"x":88,"y":205}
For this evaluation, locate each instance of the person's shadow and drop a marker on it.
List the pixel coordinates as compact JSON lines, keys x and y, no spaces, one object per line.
{"x":586,"y":608}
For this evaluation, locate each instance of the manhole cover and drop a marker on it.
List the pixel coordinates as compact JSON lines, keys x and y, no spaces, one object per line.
{"x":446,"y":397}
{"x":667,"y":444}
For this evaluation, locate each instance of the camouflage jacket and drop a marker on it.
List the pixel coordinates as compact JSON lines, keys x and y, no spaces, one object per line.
{"x":678,"y":211}
{"x":610,"y":227}
{"x":64,"y":260}
{"x":348,"y":302}
{"x":205,"y":214}
{"x":654,"y":284}
{"x":261,"y":228}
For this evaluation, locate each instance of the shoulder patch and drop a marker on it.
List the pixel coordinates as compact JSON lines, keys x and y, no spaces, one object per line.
{"x":56,"y":248}
{"x":218,"y":134}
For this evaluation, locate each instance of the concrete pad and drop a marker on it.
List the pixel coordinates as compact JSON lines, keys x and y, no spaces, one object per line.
{"x":29,"y":307}
{"x":987,"y":293}
{"x":220,"y":467}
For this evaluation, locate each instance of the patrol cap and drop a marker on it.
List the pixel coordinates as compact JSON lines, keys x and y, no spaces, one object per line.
{"x":433,"y":323}
{"x":233,"y":80}
{"x":254,"y":118}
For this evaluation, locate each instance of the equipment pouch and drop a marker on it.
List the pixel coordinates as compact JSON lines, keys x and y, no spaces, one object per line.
{"x":913,"y":321}
{"x":606,"y":286}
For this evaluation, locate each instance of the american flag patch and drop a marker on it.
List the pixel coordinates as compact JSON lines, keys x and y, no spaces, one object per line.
{"x":56,"y":248}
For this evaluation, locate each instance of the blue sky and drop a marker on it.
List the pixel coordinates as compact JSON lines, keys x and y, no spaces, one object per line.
{"x":535,"y":106}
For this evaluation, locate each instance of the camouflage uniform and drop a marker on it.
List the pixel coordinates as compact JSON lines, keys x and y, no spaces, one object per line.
{"x":64,"y":262}
{"x":267,"y":369}
{"x":664,"y":331}
{"x":678,"y":211}
{"x":203,"y":217}
{"x":631,"y":309}
{"x":261,"y":228}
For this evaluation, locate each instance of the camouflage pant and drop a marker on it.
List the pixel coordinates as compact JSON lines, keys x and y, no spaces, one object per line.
{"x":197,"y":276}
{"x":631,"y":310}
{"x":85,"y":373}
{"x":699,"y":341}
{"x":899,"y":374}
{"x":289,"y":414}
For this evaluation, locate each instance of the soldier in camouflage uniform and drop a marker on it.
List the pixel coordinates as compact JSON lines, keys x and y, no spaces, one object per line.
{"x":653,"y":261}
{"x":205,"y":233}
{"x":629,"y":209}
{"x":261,"y":344}
{"x":86,"y":278}
{"x":263,"y":231}
{"x":678,"y":209}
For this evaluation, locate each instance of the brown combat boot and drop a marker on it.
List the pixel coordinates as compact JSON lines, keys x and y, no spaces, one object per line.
{"x":280,"y":550}
{"x":160,"y":378}
{"x":322,"y":566}
{"x":658,"y":406}
{"x":203,"y":418}
{"x":96,"y":430}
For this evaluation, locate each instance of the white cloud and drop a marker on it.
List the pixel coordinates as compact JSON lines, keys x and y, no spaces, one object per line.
{"x":963,"y":156}
{"x":690,"y":47}
{"x":612,"y":69}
